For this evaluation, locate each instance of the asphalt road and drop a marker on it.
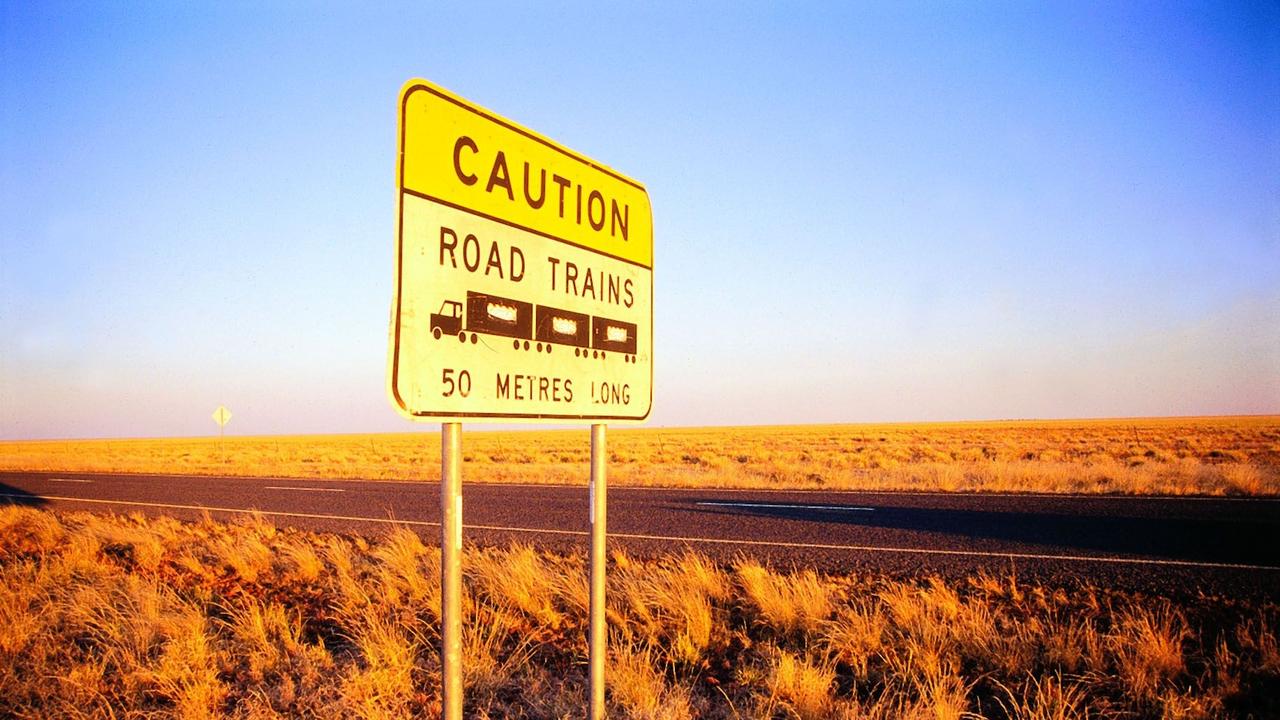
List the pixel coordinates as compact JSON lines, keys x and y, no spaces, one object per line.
{"x":1215,"y":546}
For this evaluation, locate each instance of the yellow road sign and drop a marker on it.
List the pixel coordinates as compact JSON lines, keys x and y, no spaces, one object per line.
{"x":524,"y":273}
{"x":222,"y":416}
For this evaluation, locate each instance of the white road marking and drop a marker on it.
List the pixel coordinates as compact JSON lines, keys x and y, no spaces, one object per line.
{"x":308,"y":489}
{"x":786,"y":506}
{"x":74,"y":480}
{"x":684,"y":539}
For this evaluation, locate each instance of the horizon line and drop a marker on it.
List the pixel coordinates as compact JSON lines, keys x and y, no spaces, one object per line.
{"x":562,"y":427}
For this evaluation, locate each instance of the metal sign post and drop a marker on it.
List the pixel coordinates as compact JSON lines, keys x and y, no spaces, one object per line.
{"x":451,"y":569}
{"x":599,"y":635}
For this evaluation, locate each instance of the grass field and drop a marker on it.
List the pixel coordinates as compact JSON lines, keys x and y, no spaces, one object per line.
{"x":1211,"y":456}
{"x":120,"y":617}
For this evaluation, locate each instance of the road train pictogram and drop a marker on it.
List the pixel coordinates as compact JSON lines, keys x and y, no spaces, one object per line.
{"x":526,"y":323}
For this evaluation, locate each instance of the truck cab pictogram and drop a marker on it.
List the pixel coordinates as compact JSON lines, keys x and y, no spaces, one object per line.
{"x":448,"y":321}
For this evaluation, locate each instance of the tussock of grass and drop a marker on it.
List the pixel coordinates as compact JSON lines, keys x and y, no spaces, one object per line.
{"x":1148,"y":647}
{"x":408,"y":570}
{"x":303,"y":566}
{"x":802,"y":686}
{"x":638,"y":689}
{"x":497,"y":646}
{"x":671,"y":604}
{"x":382,"y":685}
{"x":134,"y":617}
{"x":526,"y":582}
{"x":1257,"y":637}
{"x":855,"y":636}
{"x":1168,"y":456}
{"x":798,"y":603}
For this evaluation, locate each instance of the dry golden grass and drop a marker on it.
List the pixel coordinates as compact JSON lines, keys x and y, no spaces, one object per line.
{"x":671,"y":604}
{"x":795,"y":604}
{"x":108,"y":616}
{"x":801,"y":686}
{"x":639,"y":688}
{"x":1211,"y":456}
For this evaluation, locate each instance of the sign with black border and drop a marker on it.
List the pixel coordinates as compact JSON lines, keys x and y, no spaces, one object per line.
{"x":524,"y":274}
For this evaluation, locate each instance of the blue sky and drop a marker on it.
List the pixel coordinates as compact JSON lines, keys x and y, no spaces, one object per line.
{"x":863,"y":212}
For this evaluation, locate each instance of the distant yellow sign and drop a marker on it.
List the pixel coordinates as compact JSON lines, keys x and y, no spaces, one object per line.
{"x":524,"y":273}
{"x":222,"y":416}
